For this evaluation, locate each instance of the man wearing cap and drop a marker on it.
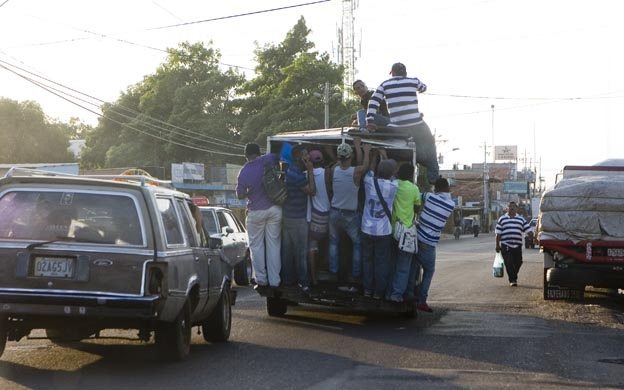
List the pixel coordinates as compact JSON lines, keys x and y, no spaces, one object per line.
{"x":318,"y":212}
{"x":264,"y":219}
{"x":381,"y":119}
{"x":401,"y":95}
{"x":344,"y":183}
{"x":376,"y":228}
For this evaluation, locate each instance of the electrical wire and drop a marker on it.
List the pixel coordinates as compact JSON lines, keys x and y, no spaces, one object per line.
{"x":237,"y":15}
{"x":63,"y":96}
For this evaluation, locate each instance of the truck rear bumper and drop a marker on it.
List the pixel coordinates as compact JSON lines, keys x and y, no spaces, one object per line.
{"x":600,"y":277}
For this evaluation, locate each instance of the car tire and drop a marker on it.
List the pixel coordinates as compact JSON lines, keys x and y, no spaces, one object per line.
{"x":3,"y":334}
{"x":545,"y":285}
{"x":242,"y":272}
{"x":276,"y":307}
{"x":217,"y":327}
{"x":173,"y":339}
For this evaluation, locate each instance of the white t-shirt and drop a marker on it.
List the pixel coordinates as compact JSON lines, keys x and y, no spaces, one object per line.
{"x":375,"y":222}
{"x":320,"y":201}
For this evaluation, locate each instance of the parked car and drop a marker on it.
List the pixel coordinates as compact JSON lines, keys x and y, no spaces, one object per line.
{"x":221,"y":223}
{"x":529,"y":237}
{"x":83,"y":254}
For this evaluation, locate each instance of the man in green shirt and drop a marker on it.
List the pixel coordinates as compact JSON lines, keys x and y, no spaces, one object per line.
{"x":406,"y":203}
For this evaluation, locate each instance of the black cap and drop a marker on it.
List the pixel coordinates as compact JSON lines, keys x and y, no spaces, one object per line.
{"x":398,"y":69}
{"x":252,"y":149}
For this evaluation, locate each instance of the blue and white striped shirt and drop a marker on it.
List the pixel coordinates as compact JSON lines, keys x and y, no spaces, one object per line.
{"x":436,"y":210}
{"x":510,"y":230}
{"x":401,"y":96}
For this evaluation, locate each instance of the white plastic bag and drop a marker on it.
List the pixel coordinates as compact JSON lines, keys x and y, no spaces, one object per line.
{"x":498,"y":268}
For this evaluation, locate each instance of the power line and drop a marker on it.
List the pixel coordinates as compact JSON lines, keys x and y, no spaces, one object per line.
{"x":5,"y":1}
{"x":238,"y":15}
{"x":64,"y":95}
{"x":523,"y":98}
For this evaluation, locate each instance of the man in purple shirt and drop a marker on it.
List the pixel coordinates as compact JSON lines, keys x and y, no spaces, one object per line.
{"x":264,"y":219}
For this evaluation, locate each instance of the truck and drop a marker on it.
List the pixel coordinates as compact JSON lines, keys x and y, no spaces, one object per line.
{"x":581,"y":230}
{"x":327,"y":292}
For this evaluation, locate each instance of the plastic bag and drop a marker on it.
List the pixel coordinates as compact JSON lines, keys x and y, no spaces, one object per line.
{"x":498,"y":268}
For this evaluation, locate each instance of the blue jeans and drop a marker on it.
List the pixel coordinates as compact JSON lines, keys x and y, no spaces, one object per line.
{"x":402,"y":273}
{"x":349,"y":222}
{"x":425,"y":149}
{"x":295,"y":251}
{"x":426,"y":259}
{"x":378,"y":119}
{"x":377,"y":263}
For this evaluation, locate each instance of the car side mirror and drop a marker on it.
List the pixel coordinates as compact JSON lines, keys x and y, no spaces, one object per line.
{"x":229,"y":230}
{"x":215,"y":243}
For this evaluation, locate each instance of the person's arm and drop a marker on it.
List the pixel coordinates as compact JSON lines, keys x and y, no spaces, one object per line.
{"x":329,"y":181}
{"x":310,"y":188}
{"x":361,"y":169}
{"x":498,"y":248}
{"x":242,"y":190}
{"x":373,"y":106}
{"x":357,"y":145}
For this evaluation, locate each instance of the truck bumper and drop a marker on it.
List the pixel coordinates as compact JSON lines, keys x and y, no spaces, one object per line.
{"x":583,"y":275}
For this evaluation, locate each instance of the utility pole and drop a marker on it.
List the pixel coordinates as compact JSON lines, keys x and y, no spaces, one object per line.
{"x":486,"y":203}
{"x":493,"y":147}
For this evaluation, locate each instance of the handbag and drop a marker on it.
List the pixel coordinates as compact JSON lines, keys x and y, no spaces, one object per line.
{"x":406,"y":237}
{"x":498,"y":269}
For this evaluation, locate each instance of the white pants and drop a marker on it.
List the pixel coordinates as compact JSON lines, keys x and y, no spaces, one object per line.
{"x":265,"y":241}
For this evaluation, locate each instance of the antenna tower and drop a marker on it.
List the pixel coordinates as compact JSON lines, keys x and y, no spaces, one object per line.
{"x":346,"y":46}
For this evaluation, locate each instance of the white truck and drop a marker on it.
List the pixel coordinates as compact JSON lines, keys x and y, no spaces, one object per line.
{"x":327,"y":293}
{"x":581,"y":230}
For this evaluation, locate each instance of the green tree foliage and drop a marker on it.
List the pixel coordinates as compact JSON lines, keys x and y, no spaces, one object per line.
{"x":28,"y":136}
{"x":282,"y":95}
{"x":173,"y":115}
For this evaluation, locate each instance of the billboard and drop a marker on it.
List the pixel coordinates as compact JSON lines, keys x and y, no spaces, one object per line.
{"x":187,"y":171}
{"x":506,"y":152}
{"x":516,"y":187}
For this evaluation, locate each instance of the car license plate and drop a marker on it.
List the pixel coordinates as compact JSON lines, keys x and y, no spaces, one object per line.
{"x":615,"y":252}
{"x":54,"y":267}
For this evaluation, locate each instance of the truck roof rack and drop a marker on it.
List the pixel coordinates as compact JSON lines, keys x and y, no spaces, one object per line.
{"x":143,"y":180}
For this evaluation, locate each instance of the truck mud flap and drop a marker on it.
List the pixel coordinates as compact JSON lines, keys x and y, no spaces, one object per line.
{"x":554,"y":290}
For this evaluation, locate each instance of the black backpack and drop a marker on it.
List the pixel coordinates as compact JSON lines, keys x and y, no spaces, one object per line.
{"x":273,"y":185}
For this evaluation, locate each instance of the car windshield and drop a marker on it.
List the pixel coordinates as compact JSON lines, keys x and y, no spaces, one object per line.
{"x":84,"y":216}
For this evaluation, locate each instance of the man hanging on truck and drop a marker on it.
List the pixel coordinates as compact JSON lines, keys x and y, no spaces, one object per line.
{"x":343,"y":186}
{"x":401,"y":95}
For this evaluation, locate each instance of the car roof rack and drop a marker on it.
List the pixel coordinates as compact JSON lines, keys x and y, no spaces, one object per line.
{"x":143,"y":180}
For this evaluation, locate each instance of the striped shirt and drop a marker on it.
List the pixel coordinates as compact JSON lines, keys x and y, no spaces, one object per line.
{"x":401,"y":95}
{"x":437,"y":208}
{"x":510,"y":230}
{"x":296,"y":205}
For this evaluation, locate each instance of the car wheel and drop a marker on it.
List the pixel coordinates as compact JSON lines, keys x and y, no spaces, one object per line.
{"x":242,"y":272}
{"x":218,"y":325}
{"x":3,"y":334}
{"x":173,"y":339}
{"x":68,"y":335}
{"x":545,"y":285}
{"x":276,"y":307}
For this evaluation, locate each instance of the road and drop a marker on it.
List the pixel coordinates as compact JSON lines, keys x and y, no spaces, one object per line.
{"x":482,"y":334}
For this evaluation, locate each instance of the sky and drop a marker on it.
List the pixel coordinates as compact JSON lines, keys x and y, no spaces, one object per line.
{"x":552,"y":69}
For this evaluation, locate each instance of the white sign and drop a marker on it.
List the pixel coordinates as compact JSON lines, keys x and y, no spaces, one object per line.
{"x":187,"y":171}
{"x":506,"y":152}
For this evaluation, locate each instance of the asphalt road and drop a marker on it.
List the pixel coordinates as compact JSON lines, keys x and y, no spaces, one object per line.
{"x":482,"y":334}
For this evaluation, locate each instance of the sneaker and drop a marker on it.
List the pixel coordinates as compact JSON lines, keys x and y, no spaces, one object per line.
{"x":368,"y":294}
{"x":395,"y":299}
{"x":377,"y":296}
{"x":513,"y":284}
{"x":424,"y":307}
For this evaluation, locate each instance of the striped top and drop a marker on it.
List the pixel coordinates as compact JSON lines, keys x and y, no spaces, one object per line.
{"x":510,"y":230}
{"x":437,"y":208}
{"x":401,"y":95}
{"x":296,"y":205}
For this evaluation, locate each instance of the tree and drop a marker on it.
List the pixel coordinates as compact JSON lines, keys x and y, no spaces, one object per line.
{"x":28,"y":136}
{"x":281,"y":96}
{"x":187,"y":108}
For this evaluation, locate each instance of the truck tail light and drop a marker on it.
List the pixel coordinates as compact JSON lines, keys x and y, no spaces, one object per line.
{"x":155,"y":281}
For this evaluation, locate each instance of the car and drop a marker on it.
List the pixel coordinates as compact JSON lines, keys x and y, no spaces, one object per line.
{"x":84,"y":254}
{"x":221,"y":223}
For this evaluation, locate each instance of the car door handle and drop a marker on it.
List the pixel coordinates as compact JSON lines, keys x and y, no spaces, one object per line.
{"x":196,"y":258}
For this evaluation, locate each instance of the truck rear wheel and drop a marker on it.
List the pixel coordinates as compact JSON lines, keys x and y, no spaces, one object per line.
{"x":276,"y":307}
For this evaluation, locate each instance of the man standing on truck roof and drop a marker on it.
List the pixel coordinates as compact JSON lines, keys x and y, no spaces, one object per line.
{"x":401,"y":95}
{"x":264,"y":219}
{"x":295,"y":224}
{"x":343,"y":185}
{"x":381,"y":119}
{"x":509,"y":229}
{"x":437,"y":208}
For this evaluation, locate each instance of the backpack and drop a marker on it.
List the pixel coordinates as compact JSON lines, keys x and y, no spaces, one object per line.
{"x":274,"y":187}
